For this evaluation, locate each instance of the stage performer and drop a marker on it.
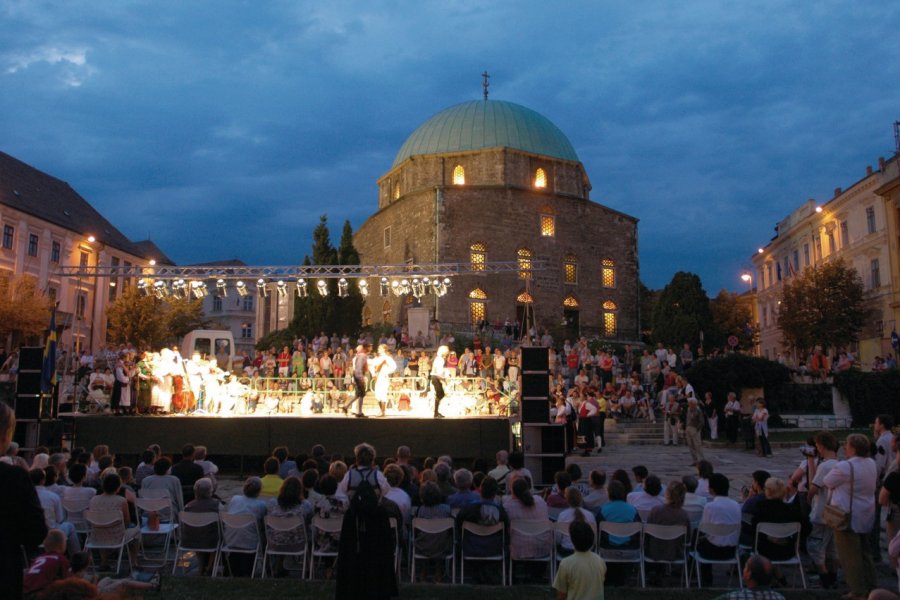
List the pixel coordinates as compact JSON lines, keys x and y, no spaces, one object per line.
{"x":360,"y":366}
{"x":145,"y":382}
{"x":162,"y":371}
{"x":438,"y":376}
{"x":121,"y":394}
{"x":195,"y":380}
{"x":381,"y":367}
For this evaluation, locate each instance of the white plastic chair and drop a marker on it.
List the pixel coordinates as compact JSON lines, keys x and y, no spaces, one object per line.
{"x":782,"y":531}
{"x":541,"y":534}
{"x":285,"y":525}
{"x":236,"y":524}
{"x":432,"y":527}
{"x":665,"y":533}
{"x":108,"y":532}
{"x":476,"y":530}
{"x":622,"y":555}
{"x":75,"y":509}
{"x":144,"y":507}
{"x":719,"y":530}
{"x":198,"y":520}
{"x":331,"y":526}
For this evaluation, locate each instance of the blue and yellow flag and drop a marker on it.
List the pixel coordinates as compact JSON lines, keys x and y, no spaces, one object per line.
{"x":48,"y":369}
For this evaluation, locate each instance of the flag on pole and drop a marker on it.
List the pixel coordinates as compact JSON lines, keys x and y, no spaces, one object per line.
{"x":48,"y":368}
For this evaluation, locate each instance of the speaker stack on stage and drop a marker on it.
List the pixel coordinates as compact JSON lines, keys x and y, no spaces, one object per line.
{"x":34,"y":424}
{"x":543,"y":442}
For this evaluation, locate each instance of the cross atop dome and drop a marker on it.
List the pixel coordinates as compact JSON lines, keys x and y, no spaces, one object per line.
{"x":485,"y":83}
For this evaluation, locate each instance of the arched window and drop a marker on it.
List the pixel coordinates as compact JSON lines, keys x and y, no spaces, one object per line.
{"x":540,"y":178}
{"x":477,"y":256}
{"x":524,"y":256}
{"x":524,"y":298}
{"x":570,"y":268}
{"x":477,"y":306}
{"x":396,"y":190}
{"x":459,"y":175}
{"x":387,"y":312}
{"x":610,"y":324}
{"x":609,"y":273}
{"x":548,"y":221}
{"x":570,"y":302}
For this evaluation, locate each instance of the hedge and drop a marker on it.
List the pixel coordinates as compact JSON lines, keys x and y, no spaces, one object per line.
{"x":870,"y":394}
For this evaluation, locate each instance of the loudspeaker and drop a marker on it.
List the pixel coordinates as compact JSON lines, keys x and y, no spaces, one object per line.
{"x":31,"y":358}
{"x":30,"y":434}
{"x":536,"y":385}
{"x":536,"y":411}
{"x":28,"y":383}
{"x":535,"y":358}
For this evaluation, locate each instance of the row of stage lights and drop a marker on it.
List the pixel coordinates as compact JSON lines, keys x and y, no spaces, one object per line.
{"x":180,"y":288}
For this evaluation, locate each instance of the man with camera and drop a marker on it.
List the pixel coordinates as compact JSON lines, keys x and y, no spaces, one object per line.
{"x":820,"y":543}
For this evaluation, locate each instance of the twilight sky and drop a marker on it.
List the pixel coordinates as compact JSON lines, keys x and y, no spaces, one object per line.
{"x":224,"y":129}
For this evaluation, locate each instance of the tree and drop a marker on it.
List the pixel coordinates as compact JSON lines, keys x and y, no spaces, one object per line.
{"x":648,"y":300}
{"x":348,"y":314}
{"x":149,"y":322}
{"x":682,"y":312}
{"x":24,"y":309}
{"x":732,"y":318}
{"x":822,"y":306}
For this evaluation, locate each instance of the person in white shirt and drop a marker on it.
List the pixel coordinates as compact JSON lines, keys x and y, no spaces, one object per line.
{"x":720,"y":510}
{"x":820,"y":543}
{"x":854,"y":481}
{"x":691,"y":498}
{"x":649,"y":497}
{"x":394,"y":476}
{"x":884,"y":458}
{"x":53,"y":510}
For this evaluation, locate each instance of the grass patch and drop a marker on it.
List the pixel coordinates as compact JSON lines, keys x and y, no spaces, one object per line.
{"x":196,"y":588}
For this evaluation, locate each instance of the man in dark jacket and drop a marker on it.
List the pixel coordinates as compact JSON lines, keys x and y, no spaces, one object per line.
{"x":21,"y":516}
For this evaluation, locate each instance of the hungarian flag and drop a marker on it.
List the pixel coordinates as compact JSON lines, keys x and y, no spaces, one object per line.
{"x":48,"y":369}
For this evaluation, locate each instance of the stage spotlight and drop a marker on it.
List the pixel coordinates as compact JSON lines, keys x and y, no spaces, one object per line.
{"x":418,"y":288}
{"x":302,"y":288}
{"x":342,"y":288}
{"x":241,"y":288}
{"x":261,"y":288}
{"x":180,"y":289}
{"x":143,"y":286}
{"x":281,"y":287}
{"x":396,"y":289}
{"x":404,"y":286}
{"x":199,"y":289}
{"x":322,"y":286}
{"x":363,"y":287}
{"x":221,"y":289}
{"x":384,"y":287}
{"x":160,"y":289}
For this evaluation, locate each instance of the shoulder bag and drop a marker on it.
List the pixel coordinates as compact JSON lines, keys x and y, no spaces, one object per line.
{"x":835,"y":517}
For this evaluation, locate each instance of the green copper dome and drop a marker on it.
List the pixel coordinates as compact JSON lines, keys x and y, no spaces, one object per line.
{"x":487,"y":124}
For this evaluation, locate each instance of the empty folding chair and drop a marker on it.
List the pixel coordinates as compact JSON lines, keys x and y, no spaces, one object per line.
{"x":201,"y":533}
{"x":433,"y":539}
{"x":473,"y":531}
{"x":285,"y":536}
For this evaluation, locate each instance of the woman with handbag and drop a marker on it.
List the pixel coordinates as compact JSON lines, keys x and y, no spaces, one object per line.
{"x":850,"y":512}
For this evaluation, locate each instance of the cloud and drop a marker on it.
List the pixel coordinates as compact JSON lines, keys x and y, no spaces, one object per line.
{"x":71,"y":62}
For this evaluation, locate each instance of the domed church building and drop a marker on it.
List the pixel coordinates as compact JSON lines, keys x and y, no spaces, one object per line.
{"x":492,"y":181}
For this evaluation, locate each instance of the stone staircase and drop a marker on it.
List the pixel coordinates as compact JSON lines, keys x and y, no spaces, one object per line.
{"x":633,"y":432}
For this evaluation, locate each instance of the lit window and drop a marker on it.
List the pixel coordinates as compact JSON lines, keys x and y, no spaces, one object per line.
{"x":478,"y":256}
{"x":540,"y":178}
{"x":386,"y":310}
{"x":32,"y":245}
{"x":396,"y":190}
{"x":570,"y":302}
{"x":459,"y":175}
{"x":477,"y":294}
{"x":609,"y":273}
{"x":524,"y":256}
{"x":570,"y":269}
{"x":477,"y":306}
{"x":548,"y":226}
{"x":387,"y":236}
{"x":524,"y":298}
{"x":609,"y":318}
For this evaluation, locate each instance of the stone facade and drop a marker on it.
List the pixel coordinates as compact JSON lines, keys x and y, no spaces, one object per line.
{"x":427,"y":216}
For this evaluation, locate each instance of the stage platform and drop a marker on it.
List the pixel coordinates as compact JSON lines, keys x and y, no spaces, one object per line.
{"x":468,"y":437}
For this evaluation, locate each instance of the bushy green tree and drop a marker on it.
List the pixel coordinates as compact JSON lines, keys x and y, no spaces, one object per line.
{"x":149,"y":322}
{"x":822,"y":306}
{"x":682,"y":312}
{"x":731,"y":318}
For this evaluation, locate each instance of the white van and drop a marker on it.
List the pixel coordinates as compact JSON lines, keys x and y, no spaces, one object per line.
{"x":210,"y":343}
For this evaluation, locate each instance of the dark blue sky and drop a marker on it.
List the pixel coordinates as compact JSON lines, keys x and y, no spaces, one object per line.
{"x":224,"y":129}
